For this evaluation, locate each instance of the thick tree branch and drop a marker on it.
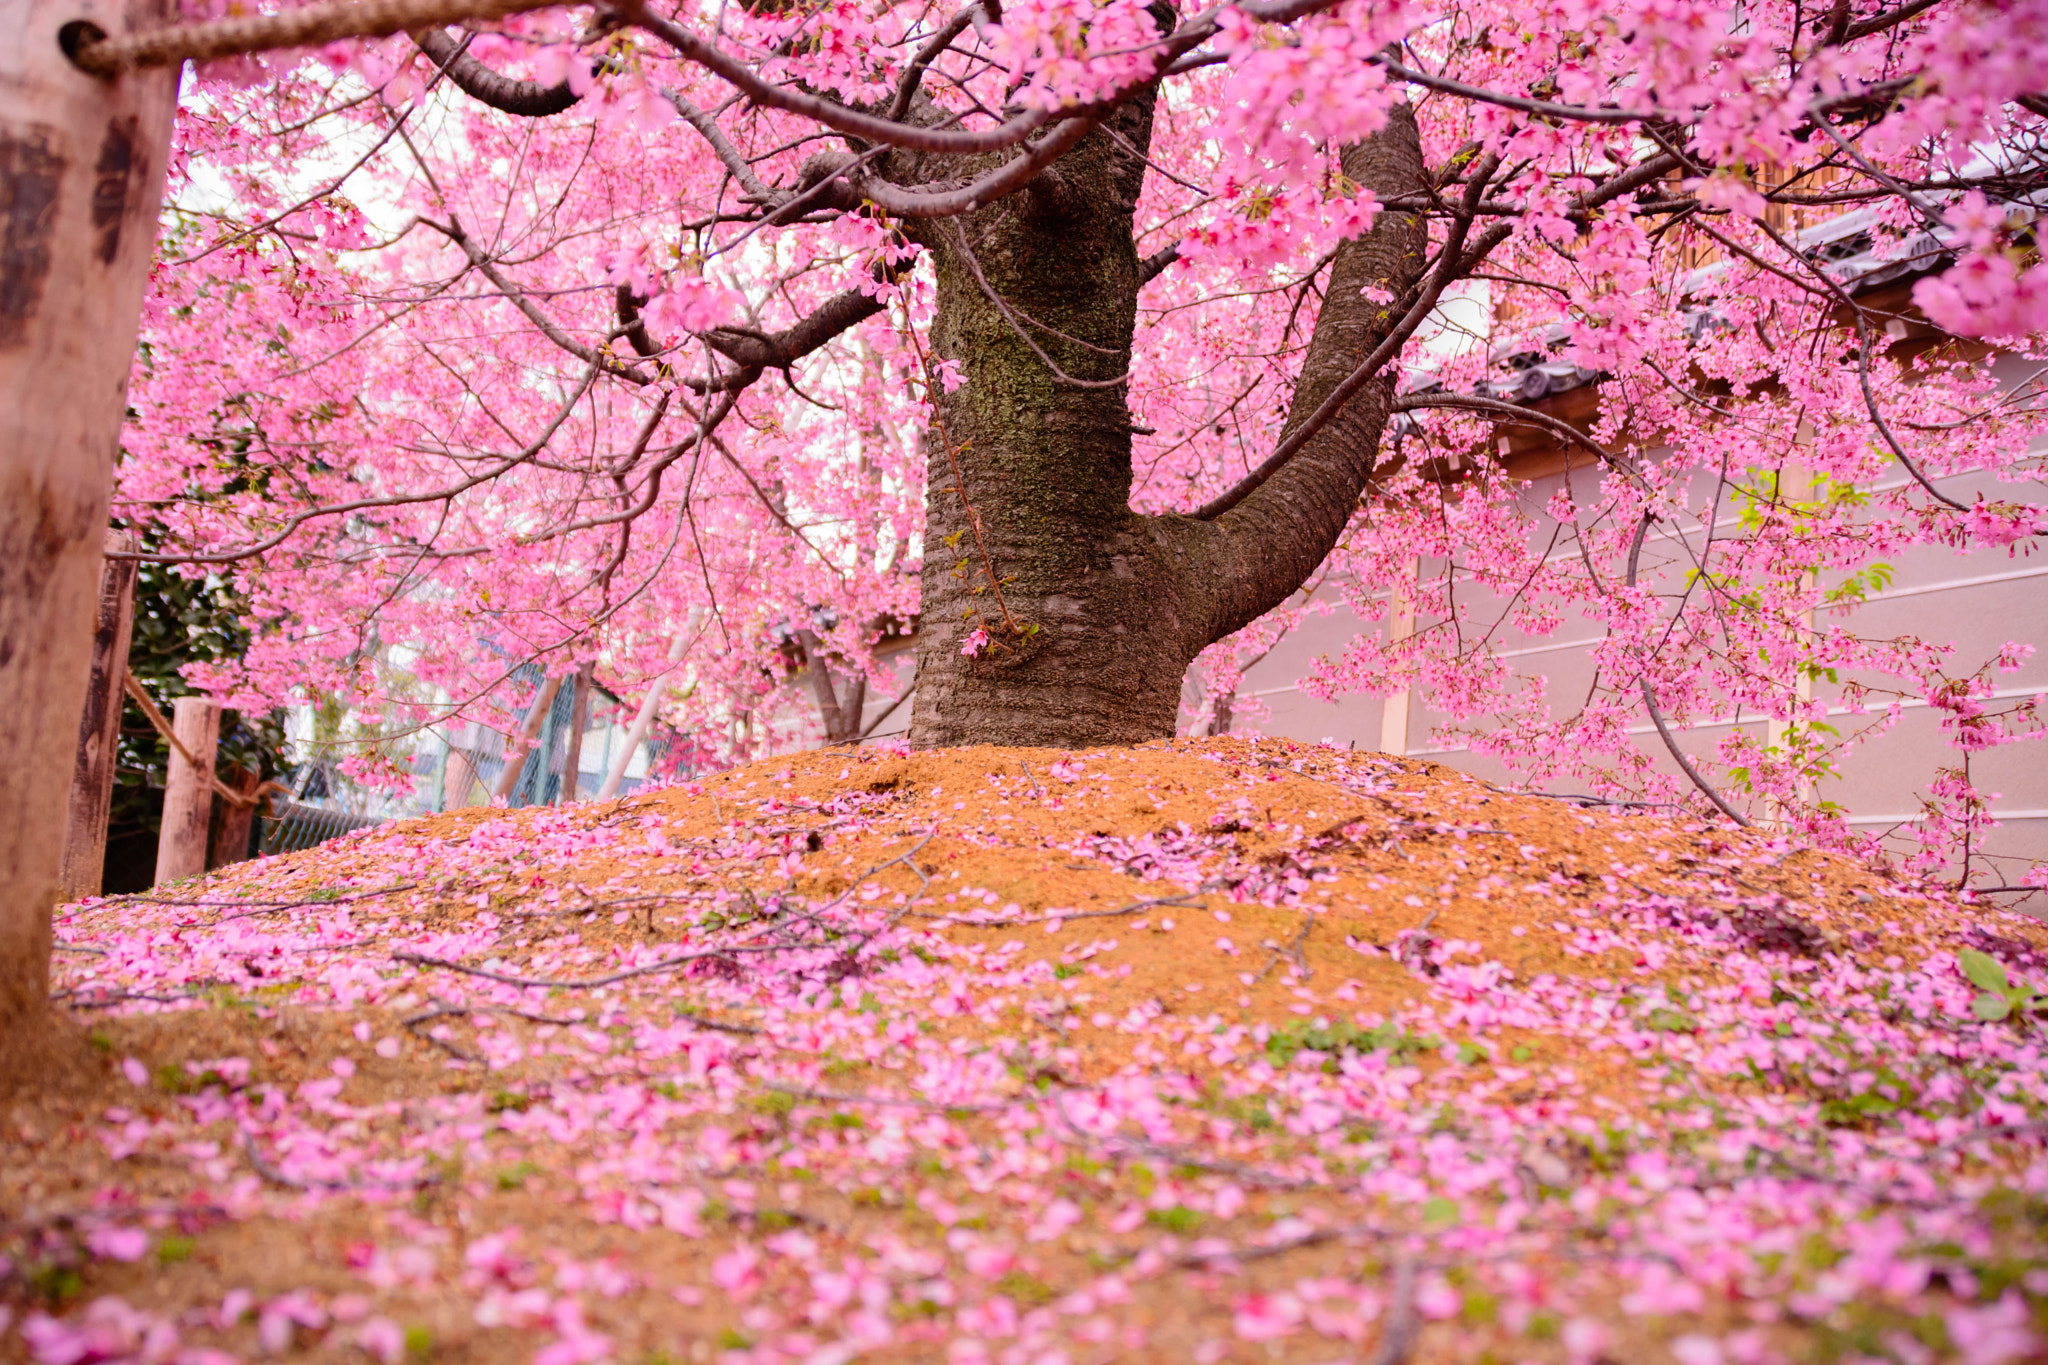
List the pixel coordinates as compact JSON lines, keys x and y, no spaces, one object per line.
{"x":631,"y":326}
{"x":507,"y":94}
{"x":1454,"y":262}
{"x":307,"y":26}
{"x":1304,"y":426}
{"x":913,"y":74}
{"x":780,"y":350}
{"x":856,"y":187}
{"x":1153,"y":266}
{"x":1269,"y":546}
{"x":831,"y":114}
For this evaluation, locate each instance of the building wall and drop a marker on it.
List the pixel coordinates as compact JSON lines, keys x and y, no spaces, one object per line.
{"x":1974,"y":601}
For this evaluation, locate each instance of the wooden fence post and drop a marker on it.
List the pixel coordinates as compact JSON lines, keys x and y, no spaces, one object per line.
{"x":81,"y":175}
{"x":99,"y":729}
{"x":231,"y":838}
{"x":458,"y":776}
{"x":188,"y":790}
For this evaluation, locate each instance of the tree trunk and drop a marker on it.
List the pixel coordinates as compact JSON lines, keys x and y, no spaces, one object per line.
{"x":1093,"y":612}
{"x":81,"y":174}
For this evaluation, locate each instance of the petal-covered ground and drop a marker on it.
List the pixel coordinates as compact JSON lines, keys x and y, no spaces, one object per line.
{"x":1217,"y":1051}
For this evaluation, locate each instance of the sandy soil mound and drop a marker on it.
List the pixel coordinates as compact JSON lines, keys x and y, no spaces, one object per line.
{"x":1219,"y":1050}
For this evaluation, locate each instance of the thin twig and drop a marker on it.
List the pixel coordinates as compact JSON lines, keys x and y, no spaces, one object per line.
{"x":1397,"y":1338}
{"x":591,"y":983}
{"x":444,"y":1010}
{"x":1133,"y":908}
{"x":278,"y":1177}
{"x":1267,"y":1250}
{"x":883,"y":1101}
{"x":1292,"y":950}
{"x":1416,"y":942}
{"x":101,"y":1002}
{"x":143,"y":898}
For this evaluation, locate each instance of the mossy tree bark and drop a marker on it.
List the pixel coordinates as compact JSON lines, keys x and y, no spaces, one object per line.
{"x":1113,"y":606}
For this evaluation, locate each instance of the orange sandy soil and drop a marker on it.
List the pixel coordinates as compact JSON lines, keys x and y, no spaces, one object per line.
{"x":1273,"y":1053}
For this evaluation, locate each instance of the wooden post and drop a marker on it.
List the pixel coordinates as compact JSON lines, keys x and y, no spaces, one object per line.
{"x":188,"y":791}
{"x":579,"y":720}
{"x":81,"y":176}
{"x":237,"y":823}
{"x":458,"y":776}
{"x":1400,"y":625}
{"x":515,"y":756}
{"x":99,"y":729}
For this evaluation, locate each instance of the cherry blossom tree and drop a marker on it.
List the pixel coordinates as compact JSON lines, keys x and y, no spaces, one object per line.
{"x":1082,"y":334}
{"x":1076,"y":333}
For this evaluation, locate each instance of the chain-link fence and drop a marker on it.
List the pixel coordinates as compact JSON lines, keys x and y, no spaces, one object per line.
{"x":350,"y":776}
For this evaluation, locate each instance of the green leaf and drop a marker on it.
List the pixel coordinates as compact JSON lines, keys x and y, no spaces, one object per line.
{"x":1983,"y":970}
{"x":1662,"y":1020}
{"x":1991,"y":1007}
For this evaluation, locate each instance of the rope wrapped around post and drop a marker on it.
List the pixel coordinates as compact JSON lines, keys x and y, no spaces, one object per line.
{"x":163,"y":727}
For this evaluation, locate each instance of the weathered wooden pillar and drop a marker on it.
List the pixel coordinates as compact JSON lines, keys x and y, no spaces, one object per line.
{"x":99,"y":729}
{"x":81,"y":176}
{"x":188,"y":790}
{"x":231,"y":835}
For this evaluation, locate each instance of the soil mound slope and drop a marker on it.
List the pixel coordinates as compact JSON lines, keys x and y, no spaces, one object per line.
{"x":1218,"y":1050}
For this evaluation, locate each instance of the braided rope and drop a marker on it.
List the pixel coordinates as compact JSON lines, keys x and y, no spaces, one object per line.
{"x":304,"y":27}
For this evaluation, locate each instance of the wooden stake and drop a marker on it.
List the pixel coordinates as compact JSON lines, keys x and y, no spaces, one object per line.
{"x":579,"y":720}
{"x":188,"y":791}
{"x":81,"y":176}
{"x":99,"y":729}
{"x":237,"y":822}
